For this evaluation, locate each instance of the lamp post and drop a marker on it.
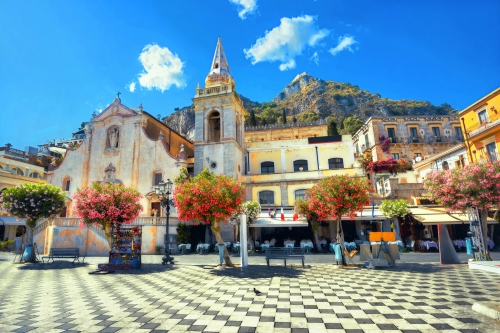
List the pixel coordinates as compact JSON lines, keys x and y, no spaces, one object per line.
{"x":163,"y":191}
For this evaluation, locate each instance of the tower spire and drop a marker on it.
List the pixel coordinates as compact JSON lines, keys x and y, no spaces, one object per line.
{"x":219,"y":72}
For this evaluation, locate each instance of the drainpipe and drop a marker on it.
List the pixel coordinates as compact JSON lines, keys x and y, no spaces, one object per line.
{"x":317,"y":158}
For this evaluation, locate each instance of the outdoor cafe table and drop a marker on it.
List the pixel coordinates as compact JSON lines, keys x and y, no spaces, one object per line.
{"x":429,"y":244}
{"x":202,"y":248}
{"x":459,"y":243}
{"x":307,"y":246}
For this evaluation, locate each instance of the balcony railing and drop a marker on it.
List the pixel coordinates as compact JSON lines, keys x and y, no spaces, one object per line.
{"x":213,"y":90}
{"x":75,"y":222}
{"x":301,"y":175}
{"x":429,"y":140}
{"x":493,"y":120}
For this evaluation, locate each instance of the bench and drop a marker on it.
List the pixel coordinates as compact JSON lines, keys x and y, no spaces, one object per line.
{"x":285,"y":253}
{"x":56,"y":252}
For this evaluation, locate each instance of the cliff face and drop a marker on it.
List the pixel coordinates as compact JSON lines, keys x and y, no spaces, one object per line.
{"x":307,"y":97}
{"x":181,"y":121}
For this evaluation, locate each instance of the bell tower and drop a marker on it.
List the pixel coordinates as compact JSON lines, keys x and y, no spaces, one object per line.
{"x":219,"y":121}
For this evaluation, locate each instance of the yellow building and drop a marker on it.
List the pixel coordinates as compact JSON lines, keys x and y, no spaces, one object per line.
{"x":481,"y":125}
{"x":15,"y":169}
{"x":286,"y":160}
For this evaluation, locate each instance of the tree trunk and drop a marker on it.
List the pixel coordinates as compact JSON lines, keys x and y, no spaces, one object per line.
{"x":218,"y":237}
{"x":316,"y":240}
{"x":484,"y":227}
{"x":29,"y":241}
{"x":107,"y":231}
{"x":340,"y":237}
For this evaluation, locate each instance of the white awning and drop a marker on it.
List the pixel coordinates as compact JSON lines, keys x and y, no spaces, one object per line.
{"x":11,"y":220}
{"x":268,"y":222}
{"x":439,"y":215}
{"x":264,"y":221}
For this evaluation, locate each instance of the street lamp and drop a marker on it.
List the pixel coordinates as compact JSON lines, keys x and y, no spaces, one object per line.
{"x":163,"y":191}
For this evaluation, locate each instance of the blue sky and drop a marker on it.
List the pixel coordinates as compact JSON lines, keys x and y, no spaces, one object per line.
{"x":60,"y":62}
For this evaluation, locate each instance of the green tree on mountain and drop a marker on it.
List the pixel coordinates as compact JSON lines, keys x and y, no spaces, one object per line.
{"x":332,"y":126}
{"x":253,"y":120}
{"x":352,"y":125}
{"x":271,"y":115}
{"x":308,"y":117}
{"x":284,"y":116}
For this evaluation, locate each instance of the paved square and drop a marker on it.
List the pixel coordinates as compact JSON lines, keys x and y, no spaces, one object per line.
{"x":412,"y":297}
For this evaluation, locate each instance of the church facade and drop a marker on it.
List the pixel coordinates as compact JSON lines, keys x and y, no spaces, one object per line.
{"x":123,"y":146}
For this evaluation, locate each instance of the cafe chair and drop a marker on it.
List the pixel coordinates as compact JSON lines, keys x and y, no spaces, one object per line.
{"x":350,"y":255}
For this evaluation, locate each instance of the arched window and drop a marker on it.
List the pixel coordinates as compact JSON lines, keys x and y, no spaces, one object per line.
{"x":157,"y":177}
{"x":267,"y":167}
{"x":113,"y":138}
{"x":214,"y":127}
{"x":266,"y":197}
{"x":300,"y":194}
{"x":446,"y":166}
{"x":35,"y":175}
{"x":66,"y":184}
{"x":335,"y":163}
{"x":17,"y":171}
{"x":300,"y":165}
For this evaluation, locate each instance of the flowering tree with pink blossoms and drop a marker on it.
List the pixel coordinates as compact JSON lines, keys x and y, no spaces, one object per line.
{"x":475,"y":185}
{"x":33,"y":202}
{"x":210,"y":199}
{"x":107,"y":204}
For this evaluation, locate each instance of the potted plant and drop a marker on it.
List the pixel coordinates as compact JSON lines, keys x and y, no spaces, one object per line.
{"x":158,"y":249}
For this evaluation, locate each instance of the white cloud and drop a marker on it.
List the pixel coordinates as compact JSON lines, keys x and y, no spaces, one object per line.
{"x":289,"y":65}
{"x":286,"y":41}
{"x":249,"y":6}
{"x":345,"y":42}
{"x":131,"y":87}
{"x":315,"y":58}
{"x":162,"y":68}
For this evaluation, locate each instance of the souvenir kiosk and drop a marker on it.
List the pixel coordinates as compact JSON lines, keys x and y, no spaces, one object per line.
{"x":125,"y":248}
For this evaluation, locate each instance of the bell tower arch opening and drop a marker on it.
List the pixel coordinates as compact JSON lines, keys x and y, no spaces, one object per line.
{"x":214,"y":126}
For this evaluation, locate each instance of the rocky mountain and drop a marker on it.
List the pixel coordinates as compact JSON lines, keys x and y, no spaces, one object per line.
{"x":182,"y":121}
{"x":307,"y":98}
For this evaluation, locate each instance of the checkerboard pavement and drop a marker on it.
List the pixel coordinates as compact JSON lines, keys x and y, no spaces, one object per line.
{"x":410,"y":298}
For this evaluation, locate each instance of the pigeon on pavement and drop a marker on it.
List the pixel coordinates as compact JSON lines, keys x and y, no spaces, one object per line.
{"x":258,"y":293}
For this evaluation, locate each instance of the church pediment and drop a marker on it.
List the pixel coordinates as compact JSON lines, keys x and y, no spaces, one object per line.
{"x":116,"y":109}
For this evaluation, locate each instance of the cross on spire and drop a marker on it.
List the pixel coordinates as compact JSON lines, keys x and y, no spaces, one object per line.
{"x":118,"y":95}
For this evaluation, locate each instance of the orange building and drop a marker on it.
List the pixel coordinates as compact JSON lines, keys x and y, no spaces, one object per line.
{"x":481,"y":125}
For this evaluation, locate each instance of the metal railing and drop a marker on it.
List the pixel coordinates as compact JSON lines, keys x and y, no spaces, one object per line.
{"x":431,"y":139}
